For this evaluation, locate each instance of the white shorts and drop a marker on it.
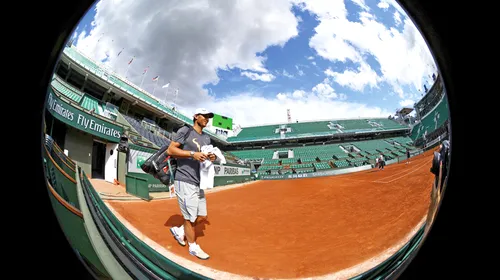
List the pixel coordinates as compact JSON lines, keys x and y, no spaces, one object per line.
{"x":191,"y":199}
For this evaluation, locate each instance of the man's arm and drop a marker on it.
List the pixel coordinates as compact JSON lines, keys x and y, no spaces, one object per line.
{"x":175,"y":150}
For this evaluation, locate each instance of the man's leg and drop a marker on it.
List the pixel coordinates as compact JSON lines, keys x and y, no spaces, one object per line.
{"x":189,"y":231}
{"x":179,"y":232}
{"x":188,"y":200}
{"x":194,"y":204}
{"x":201,"y":214}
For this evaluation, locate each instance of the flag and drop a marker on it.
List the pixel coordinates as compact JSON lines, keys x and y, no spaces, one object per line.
{"x":156,"y":78}
{"x":131,"y":61}
{"x":166,"y":85}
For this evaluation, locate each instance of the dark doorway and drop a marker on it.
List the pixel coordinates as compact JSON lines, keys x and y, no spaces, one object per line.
{"x":98,"y":157}
{"x":56,"y":129}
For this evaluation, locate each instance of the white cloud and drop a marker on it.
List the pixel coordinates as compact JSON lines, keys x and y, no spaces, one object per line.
{"x":299,"y":94}
{"x":404,"y":57}
{"x":186,"y":42}
{"x":398,"y":7}
{"x":258,"y":77}
{"x":281,"y":96}
{"x":324,"y":90}
{"x":361,"y":3}
{"x":397,"y":18}
{"x":356,"y":80}
{"x":329,"y":72}
{"x":304,"y":106}
{"x":75,"y":33}
{"x":383,"y":5}
{"x":406,"y":103}
{"x":286,"y":74}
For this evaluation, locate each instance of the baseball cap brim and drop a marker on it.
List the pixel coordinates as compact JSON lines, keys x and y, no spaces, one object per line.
{"x":202,"y":111}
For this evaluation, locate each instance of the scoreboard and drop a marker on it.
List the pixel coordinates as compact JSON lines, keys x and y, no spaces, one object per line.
{"x":222,"y":122}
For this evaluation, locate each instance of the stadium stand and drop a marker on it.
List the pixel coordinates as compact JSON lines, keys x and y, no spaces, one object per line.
{"x":435,"y":118}
{"x":279,"y":148}
{"x":314,"y":129}
{"x":158,"y":140}
{"x":432,"y":114}
{"x":323,"y":157}
{"x":117,"y":82}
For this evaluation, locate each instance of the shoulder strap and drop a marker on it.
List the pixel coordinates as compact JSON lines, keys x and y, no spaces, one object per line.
{"x":190,"y":128}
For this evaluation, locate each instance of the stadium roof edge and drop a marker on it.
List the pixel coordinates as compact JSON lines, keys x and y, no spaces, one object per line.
{"x":112,"y":73}
{"x":153,"y":106}
{"x":319,"y":120}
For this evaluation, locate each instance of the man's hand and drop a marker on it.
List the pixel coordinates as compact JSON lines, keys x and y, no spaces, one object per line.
{"x":212,"y":157}
{"x":199,"y":156}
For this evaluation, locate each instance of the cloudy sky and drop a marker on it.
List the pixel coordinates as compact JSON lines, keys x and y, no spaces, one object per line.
{"x":254,"y":59}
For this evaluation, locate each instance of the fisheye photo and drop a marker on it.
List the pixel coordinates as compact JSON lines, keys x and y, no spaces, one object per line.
{"x":250,"y":139}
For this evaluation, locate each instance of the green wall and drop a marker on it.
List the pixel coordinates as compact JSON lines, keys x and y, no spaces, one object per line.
{"x":228,"y":180}
{"x":73,"y":228}
{"x":75,"y":117}
{"x":79,"y":146}
{"x":154,"y":185}
{"x":122,"y":167}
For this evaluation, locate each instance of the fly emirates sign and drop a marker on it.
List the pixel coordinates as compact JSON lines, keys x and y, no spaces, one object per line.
{"x":81,"y":120}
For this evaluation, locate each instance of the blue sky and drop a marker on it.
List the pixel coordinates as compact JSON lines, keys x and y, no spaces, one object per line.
{"x":297,"y":66}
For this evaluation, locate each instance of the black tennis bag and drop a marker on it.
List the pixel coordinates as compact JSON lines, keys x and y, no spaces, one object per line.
{"x":161,"y":165}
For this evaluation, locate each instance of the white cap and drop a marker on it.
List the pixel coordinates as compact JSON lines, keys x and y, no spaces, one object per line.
{"x":203,"y":111}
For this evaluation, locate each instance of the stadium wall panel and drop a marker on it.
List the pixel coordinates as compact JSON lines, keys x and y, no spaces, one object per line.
{"x":154,"y":185}
{"x":228,"y":180}
{"x":122,"y":167}
{"x":64,"y":199}
{"x":79,"y":146}
{"x":74,"y":230}
{"x":224,"y":174}
{"x":75,"y":117}
{"x":315,"y":174}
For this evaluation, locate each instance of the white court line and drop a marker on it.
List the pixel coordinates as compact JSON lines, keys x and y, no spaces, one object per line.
{"x":400,"y":176}
{"x":401,"y":172}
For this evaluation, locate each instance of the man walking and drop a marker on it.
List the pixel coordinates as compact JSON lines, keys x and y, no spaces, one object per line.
{"x":186,"y":148}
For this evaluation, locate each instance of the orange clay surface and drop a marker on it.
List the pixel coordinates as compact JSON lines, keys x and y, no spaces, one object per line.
{"x":300,"y":227}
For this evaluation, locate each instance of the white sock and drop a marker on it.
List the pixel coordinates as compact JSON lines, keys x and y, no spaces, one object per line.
{"x":181,"y":229}
{"x":191,"y":245}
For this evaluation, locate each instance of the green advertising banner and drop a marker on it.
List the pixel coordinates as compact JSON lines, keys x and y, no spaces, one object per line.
{"x":314,"y":174}
{"x":154,"y":185}
{"x":224,"y":174}
{"x":81,"y":120}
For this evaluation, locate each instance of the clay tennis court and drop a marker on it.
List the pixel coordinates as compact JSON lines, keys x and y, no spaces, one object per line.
{"x":297,"y":228}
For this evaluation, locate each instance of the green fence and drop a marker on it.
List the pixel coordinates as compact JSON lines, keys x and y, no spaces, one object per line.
{"x":61,"y":183}
{"x":149,"y":258}
{"x":137,"y":186}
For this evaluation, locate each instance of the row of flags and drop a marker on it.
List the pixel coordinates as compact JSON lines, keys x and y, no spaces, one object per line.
{"x":155,"y":79}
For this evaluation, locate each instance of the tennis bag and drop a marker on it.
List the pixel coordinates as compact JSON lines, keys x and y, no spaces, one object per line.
{"x":161,"y":166}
